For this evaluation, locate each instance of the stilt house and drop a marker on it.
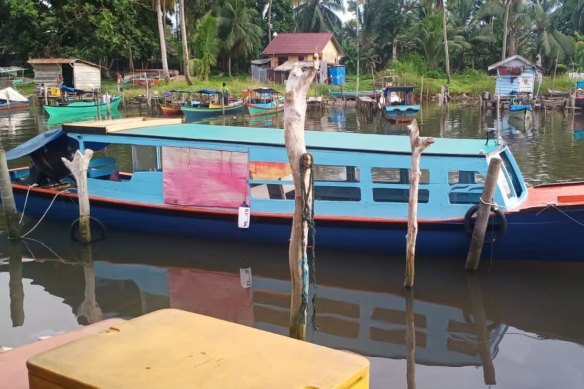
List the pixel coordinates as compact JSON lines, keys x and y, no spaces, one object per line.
{"x":514,"y":74}
{"x":74,"y":73}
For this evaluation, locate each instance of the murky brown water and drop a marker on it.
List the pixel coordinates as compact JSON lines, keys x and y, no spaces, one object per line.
{"x":513,"y":325}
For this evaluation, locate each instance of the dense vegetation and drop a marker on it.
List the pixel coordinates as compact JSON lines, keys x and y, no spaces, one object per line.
{"x":223,"y":36}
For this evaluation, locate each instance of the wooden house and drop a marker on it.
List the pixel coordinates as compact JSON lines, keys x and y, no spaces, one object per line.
{"x":75,"y":73}
{"x":288,"y":48}
{"x":514,"y":75}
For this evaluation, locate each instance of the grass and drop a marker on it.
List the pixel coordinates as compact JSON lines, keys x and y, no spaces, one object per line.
{"x":470,"y":83}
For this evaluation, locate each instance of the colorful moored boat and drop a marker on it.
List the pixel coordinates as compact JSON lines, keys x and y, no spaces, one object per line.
{"x":192,"y":179}
{"x":80,"y":108}
{"x":209,"y":105}
{"x":398,"y":104}
{"x":264,"y":101}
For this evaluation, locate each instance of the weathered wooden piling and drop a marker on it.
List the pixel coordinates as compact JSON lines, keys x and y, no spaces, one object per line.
{"x":107,"y":104}
{"x":294,"y":116}
{"x":478,"y":234}
{"x":418,"y":145}
{"x":410,"y":340}
{"x":78,"y":168}
{"x":8,"y":198}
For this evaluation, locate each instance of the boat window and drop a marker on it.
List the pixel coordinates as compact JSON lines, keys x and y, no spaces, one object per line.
{"x":466,"y":186}
{"x":336,"y":173}
{"x":337,"y":193}
{"x":145,"y":159}
{"x":512,"y":174}
{"x":266,"y":173}
{"x":387,"y":175}
{"x":397,"y":195}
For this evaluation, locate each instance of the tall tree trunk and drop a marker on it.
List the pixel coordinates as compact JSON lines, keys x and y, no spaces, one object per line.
{"x":185,"y":46}
{"x":512,"y":42}
{"x":446,"y":55}
{"x":162,"y":40}
{"x":229,"y":64}
{"x":394,"y":48}
{"x":270,"y":21}
{"x":505,"y":29}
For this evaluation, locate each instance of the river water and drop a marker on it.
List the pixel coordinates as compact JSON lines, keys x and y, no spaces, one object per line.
{"x":512,"y":325}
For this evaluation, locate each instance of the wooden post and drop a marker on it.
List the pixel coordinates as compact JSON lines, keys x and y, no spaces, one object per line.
{"x":107,"y":104}
{"x":78,"y":168}
{"x":16,"y":290}
{"x":410,"y":340}
{"x":422,"y":91}
{"x":8,"y":198}
{"x":477,"y":309}
{"x":478,"y":234}
{"x":418,"y":146}
{"x":294,"y":116}
{"x":498,"y":111}
{"x":46,"y":94}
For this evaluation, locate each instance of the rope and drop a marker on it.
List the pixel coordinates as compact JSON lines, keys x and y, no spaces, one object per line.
{"x":308,"y":218}
{"x":552,"y":205}
{"x":493,"y":204}
{"x":25,"y":201}
{"x":44,"y":214}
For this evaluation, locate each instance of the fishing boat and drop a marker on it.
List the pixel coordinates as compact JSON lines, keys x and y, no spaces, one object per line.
{"x":12,"y":100}
{"x":398,"y":104}
{"x":520,"y":103}
{"x":79,"y":108}
{"x":264,"y":101}
{"x":174,"y":99}
{"x":226,"y":182}
{"x":210,"y":103}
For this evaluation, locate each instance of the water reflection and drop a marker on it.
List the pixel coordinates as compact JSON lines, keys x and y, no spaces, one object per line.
{"x":455,"y":320}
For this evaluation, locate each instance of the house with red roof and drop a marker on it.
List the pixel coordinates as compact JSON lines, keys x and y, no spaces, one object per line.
{"x":288,"y":48}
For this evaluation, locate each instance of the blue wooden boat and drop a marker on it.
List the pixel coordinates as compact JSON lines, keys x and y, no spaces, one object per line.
{"x":520,"y":103}
{"x":264,"y":101}
{"x":398,"y":104}
{"x":191,"y":179}
{"x":209,"y":104}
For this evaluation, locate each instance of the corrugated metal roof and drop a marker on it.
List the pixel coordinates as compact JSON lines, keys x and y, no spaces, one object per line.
{"x":513,"y":58}
{"x":300,"y":43}
{"x":58,"y":61}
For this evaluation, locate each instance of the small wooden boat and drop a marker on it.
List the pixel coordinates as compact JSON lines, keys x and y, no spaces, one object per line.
{"x":398,"y":104}
{"x":79,"y":108}
{"x":520,"y":103}
{"x":264,"y":101}
{"x":210,"y":104}
{"x":198,"y":176}
{"x":12,"y":100}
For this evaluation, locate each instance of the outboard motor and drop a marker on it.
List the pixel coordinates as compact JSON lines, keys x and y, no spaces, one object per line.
{"x":47,"y":167}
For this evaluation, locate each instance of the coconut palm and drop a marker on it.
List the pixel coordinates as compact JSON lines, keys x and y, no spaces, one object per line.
{"x":548,"y":40}
{"x":206,"y":46}
{"x":160,"y":18}
{"x":185,"y":46}
{"x":319,"y":15}
{"x":242,"y":35}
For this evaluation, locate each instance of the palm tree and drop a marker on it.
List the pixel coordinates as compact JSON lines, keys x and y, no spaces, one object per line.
{"x":185,"y":46}
{"x":319,"y":15}
{"x":548,"y":40}
{"x":445,"y":32}
{"x":242,"y":34}
{"x":160,"y":18}
{"x":206,"y":45}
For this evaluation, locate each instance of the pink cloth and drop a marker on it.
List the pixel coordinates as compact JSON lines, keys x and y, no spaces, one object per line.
{"x":204,"y":178}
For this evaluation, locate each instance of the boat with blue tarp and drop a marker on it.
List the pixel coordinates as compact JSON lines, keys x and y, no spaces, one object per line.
{"x":264,"y":101}
{"x":398,"y":103}
{"x":520,"y":102}
{"x":211,"y":102}
{"x":192,"y":179}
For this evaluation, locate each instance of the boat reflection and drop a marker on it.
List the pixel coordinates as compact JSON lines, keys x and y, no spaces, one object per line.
{"x":458,"y":319}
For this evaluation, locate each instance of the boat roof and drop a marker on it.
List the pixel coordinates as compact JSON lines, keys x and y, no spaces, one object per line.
{"x":265,"y":90}
{"x":400,"y":88}
{"x":342,"y":141}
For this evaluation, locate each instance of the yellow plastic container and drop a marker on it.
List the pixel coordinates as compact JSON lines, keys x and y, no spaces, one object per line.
{"x":54,"y":91}
{"x":177,"y":349}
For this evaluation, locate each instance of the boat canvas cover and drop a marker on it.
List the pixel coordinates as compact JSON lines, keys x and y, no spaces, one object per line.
{"x":11,"y":94}
{"x":34,"y":144}
{"x":204,"y":178}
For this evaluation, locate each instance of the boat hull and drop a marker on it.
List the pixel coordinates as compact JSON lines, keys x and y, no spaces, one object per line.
{"x":401,"y":114}
{"x":14,"y":106}
{"x":194,"y":113}
{"x":170,"y":111}
{"x":264,"y":109}
{"x":82,"y":108}
{"x":522,"y":240}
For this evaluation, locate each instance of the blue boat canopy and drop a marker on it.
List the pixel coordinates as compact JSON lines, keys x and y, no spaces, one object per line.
{"x":34,"y":144}
{"x":208,"y":91}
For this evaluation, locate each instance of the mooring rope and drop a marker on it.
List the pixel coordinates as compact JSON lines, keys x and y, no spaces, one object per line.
{"x":552,"y":205}
{"x":308,"y":218}
{"x":44,"y":214}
